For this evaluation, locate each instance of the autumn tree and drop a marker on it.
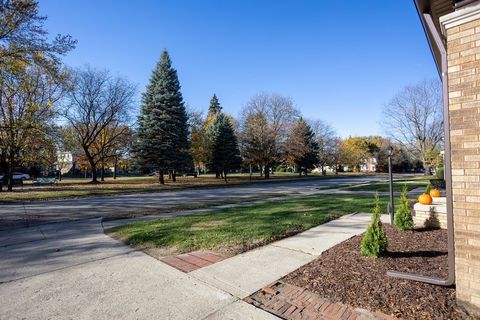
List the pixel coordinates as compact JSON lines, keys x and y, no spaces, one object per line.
{"x":400,"y":157}
{"x":266,"y":123}
{"x":414,"y":119}
{"x":27,"y":113}
{"x":24,"y":39}
{"x":31,"y":78}
{"x":96,"y":106}
{"x":197,"y":140}
{"x":354,"y":151}
{"x":114,"y":141}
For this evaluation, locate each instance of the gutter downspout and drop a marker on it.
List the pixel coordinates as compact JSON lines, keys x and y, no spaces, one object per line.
{"x":428,"y":23}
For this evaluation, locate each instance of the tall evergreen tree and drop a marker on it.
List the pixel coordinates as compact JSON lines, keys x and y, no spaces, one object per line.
{"x":214,"y":107}
{"x":162,"y":137}
{"x":301,"y":148}
{"x":223,"y":150}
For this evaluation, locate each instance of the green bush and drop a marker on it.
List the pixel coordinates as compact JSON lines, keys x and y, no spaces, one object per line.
{"x":403,"y":216}
{"x":441,"y":173}
{"x":374,"y":242}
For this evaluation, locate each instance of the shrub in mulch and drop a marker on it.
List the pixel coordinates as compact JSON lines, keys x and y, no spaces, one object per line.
{"x":342,"y":274}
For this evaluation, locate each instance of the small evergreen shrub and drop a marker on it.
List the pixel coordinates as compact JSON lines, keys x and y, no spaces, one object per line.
{"x":403,"y":216}
{"x":374,"y":242}
{"x":441,"y":173}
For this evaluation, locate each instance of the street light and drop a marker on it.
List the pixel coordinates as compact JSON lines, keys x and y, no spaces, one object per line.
{"x":391,"y":208}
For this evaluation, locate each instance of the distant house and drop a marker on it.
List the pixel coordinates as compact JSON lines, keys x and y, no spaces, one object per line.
{"x":369,"y":165}
{"x":64,"y":161}
{"x":366,"y":165}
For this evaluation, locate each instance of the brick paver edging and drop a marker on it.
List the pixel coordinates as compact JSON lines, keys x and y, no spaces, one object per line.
{"x":291,"y":302}
{"x":192,"y":261}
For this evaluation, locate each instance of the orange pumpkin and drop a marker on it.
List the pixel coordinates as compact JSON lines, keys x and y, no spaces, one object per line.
{"x":435,"y":193}
{"x":425,"y":199}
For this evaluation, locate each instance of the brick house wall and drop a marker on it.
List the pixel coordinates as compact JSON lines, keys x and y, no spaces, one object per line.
{"x":462,"y":31}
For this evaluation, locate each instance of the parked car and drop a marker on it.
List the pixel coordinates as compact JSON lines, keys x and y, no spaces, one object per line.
{"x":17,"y":176}
{"x":187,"y":173}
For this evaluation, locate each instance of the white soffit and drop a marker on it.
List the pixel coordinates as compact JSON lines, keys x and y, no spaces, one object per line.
{"x":459,"y":17}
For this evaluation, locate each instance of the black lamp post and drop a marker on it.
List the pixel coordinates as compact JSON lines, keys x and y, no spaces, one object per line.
{"x":391,"y":208}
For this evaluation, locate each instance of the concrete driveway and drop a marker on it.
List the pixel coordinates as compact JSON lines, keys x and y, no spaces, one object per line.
{"x":19,"y":215}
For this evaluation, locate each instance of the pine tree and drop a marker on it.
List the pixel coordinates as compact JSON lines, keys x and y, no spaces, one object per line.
{"x":162,"y":136}
{"x":214,"y":107}
{"x":301,"y":148}
{"x":223,"y":150}
{"x":403,"y":216}
{"x":374,"y":242}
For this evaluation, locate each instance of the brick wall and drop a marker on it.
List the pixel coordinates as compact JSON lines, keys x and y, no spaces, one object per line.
{"x":463,"y":49}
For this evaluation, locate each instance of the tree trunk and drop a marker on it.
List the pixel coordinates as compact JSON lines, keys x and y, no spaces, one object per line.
{"x":94,"y":175}
{"x":160,"y":177}
{"x":225,"y":175}
{"x":11,"y":167}
{"x":115,"y":168}
{"x":59,"y":175}
{"x":93,"y":167}
{"x":174,"y":176}
{"x":267,"y":172}
{"x":102,"y":172}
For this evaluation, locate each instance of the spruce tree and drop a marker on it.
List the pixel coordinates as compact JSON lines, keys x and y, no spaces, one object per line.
{"x":214,"y":107}
{"x":301,"y":148}
{"x":162,"y":136}
{"x":223,"y":150}
{"x":374,"y":242}
{"x":403,"y":216}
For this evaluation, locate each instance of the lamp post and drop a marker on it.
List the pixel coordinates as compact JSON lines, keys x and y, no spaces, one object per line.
{"x":391,"y":208}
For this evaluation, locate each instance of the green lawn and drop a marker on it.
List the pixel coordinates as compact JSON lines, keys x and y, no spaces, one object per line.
{"x":385,"y":187}
{"x":234,"y":230}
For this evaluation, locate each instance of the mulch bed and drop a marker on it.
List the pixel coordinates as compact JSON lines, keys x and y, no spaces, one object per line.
{"x":342,"y":275}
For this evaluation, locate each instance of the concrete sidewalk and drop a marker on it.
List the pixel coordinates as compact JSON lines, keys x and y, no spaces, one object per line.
{"x":246,"y":273}
{"x":74,"y":271}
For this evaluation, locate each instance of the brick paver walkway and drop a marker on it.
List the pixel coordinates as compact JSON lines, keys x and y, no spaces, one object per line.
{"x":192,"y":261}
{"x":291,"y":302}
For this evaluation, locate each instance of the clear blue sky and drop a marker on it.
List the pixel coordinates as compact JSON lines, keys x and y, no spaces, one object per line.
{"x":339,"y":60}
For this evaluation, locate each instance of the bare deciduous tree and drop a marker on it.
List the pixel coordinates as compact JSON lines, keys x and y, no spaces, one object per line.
{"x":414,"y":119}
{"x":97,"y":107}
{"x":328,"y":143}
{"x":266,"y":122}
